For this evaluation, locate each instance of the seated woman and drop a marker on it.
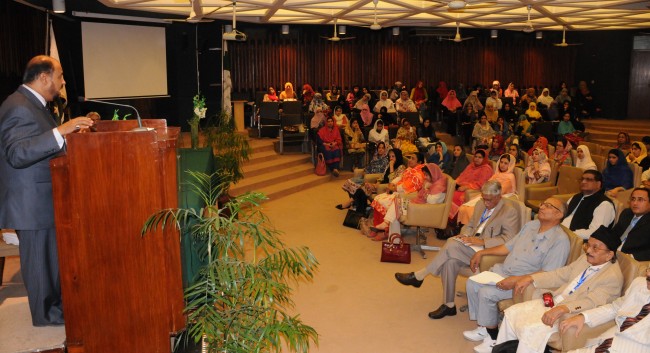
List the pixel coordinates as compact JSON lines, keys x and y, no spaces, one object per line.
{"x":502,"y":128}
{"x":473,"y":177}
{"x":318,"y":120}
{"x":412,"y":179}
{"x":318,"y":102}
{"x":562,"y":155}
{"x":538,"y":170}
{"x":364,"y":109}
{"x":351,"y":98}
{"x":426,"y":135}
{"x":482,"y":133}
{"x":497,"y":148}
{"x":511,"y":92}
{"x":270,"y":95}
{"x":524,"y":131}
{"x":532,"y":113}
{"x":340,"y":118}
{"x":404,"y":104}
{"x":491,"y":112}
{"x":330,"y":145}
{"x":288,"y":94}
{"x":357,"y":191}
{"x":494,"y":100}
{"x":420,"y":97}
{"x":435,"y":186}
{"x":617,"y":175}
{"x":405,"y":139}
{"x":584,"y":160}
{"x":544,"y":102}
{"x":355,"y":143}
{"x":457,"y":163}
{"x":504,"y":175}
{"x":639,"y":155}
{"x":468,"y":118}
{"x":541,"y":143}
{"x":439,"y":156}
{"x":473,"y":100}
{"x":563,"y":97}
{"x":384,"y":102}
{"x":333,"y":95}
{"x":307,"y":96}
{"x":529,"y":97}
{"x":518,"y":155}
{"x":623,"y":142}
{"x":451,"y":107}
{"x":378,"y":133}
{"x":565,"y":127}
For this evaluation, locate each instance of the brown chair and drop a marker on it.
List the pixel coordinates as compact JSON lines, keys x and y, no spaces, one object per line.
{"x":6,"y":250}
{"x":568,"y":183}
{"x":429,"y":215}
{"x":636,"y":172}
{"x":568,"y":341}
{"x":594,"y":148}
{"x":600,"y":161}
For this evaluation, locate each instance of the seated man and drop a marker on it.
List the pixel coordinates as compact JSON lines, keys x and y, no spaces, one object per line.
{"x":589,"y":209}
{"x":631,"y":331}
{"x":592,"y":280}
{"x":541,"y":245}
{"x":633,"y":226}
{"x":495,"y":221}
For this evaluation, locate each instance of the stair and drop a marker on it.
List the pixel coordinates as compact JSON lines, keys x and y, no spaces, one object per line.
{"x":604,"y":131}
{"x":274,"y":174}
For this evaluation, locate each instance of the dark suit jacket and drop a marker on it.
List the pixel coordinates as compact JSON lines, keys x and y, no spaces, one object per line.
{"x":638,"y":240}
{"x":27,"y":144}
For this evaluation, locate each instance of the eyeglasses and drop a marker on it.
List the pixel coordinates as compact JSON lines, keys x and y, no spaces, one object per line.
{"x":548,"y":204}
{"x":594,"y":247}
{"x":587,"y":179}
{"x":640,"y":199}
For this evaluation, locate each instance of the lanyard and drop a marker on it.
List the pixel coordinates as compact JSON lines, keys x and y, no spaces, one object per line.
{"x":485,"y":216}
{"x":583,"y":277}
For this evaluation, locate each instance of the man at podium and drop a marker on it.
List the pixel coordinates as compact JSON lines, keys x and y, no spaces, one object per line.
{"x":29,"y":139}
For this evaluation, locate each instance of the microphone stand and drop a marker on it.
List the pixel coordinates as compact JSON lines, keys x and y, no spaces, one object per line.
{"x":137,"y":114}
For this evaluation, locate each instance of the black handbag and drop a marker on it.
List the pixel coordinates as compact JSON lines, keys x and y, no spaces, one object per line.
{"x":352,"y":219}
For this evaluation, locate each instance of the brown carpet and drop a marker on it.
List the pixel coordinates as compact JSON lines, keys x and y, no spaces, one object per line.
{"x":354,"y":302}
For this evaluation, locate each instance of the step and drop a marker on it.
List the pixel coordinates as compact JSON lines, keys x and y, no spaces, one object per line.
{"x":289,"y":187}
{"x":260,"y":145}
{"x":267,"y":179}
{"x":275,"y":164}
{"x":263,"y":156}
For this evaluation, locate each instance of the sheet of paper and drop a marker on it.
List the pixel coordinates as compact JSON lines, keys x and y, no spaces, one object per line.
{"x":474,"y":247}
{"x":10,"y":238}
{"x":487,"y":277}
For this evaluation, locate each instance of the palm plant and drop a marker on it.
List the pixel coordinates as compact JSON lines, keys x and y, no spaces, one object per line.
{"x":239,"y":302}
{"x":231,"y":149}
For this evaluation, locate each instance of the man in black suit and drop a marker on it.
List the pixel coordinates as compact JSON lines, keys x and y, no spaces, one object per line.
{"x":633,"y":226}
{"x":29,"y":139}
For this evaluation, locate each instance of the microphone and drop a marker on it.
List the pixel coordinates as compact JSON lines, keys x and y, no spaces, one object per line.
{"x":82,"y":99}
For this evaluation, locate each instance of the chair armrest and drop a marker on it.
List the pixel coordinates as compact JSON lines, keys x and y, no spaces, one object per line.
{"x":488,"y":261}
{"x":525,"y":296}
{"x":541,"y":193}
{"x":424,"y":215}
{"x":570,"y":341}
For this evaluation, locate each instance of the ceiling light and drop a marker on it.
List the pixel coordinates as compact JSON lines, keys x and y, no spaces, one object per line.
{"x":58,"y":6}
{"x":285,"y":29}
{"x":342,"y":29}
{"x":456,"y":5}
{"x":494,"y":33}
{"x":396,"y":31}
{"x":227,"y":28}
{"x":538,"y":35}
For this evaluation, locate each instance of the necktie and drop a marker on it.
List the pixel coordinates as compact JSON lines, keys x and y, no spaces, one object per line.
{"x":629,"y":229}
{"x":604,"y":347}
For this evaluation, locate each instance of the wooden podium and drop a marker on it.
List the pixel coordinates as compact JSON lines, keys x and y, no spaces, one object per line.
{"x":121,"y":292}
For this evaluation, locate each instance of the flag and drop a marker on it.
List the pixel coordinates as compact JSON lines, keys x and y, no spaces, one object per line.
{"x":226,"y":83}
{"x":62,"y":99}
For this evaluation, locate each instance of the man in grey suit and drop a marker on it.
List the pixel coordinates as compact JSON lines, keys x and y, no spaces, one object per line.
{"x":29,"y":139}
{"x":495,"y":220}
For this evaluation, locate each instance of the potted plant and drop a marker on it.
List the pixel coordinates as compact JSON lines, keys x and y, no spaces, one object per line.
{"x":231,"y":149}
{"x":239,"y":300}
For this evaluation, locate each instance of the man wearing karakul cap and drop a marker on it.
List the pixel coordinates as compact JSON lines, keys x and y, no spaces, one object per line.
{"x":592,"y":280}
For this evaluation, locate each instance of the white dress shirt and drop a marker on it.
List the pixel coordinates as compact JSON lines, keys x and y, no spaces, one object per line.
{"x":604,"y":214}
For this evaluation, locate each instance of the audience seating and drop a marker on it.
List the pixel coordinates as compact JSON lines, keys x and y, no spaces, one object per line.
{"x":429,"y":215}
{"x":292,"y":137}
{"x":6,"y":250}
{"x":594,"y":148}
{"x":568,"y":183}
{"x":600,"y":161}
{"x":604,"y":150}
{"x":636,"y":172}
{"x":268,"y":119}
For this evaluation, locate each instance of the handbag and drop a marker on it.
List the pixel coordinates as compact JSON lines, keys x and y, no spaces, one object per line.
{"x":353,"y":219}
{"x":395,"y":250}
{"x":321,"y":168}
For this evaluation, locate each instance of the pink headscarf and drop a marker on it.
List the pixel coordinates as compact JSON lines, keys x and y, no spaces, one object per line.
{"x":451,"y":102}
{"x":438,"y":184}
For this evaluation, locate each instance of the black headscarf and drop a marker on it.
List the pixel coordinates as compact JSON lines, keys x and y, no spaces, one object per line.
{"x":399,"y":160}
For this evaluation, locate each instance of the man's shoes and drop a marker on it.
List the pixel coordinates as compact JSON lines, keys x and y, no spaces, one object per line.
{"x":408,"y":279}
{"x":442,"y":311}
{"x":476,"y":335}
{"x":486,"y":346}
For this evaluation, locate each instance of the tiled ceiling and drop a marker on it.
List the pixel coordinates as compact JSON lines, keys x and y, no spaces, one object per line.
{"x":497,"y":14}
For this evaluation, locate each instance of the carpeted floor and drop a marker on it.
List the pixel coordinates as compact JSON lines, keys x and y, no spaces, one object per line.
{"x":354,"y":302}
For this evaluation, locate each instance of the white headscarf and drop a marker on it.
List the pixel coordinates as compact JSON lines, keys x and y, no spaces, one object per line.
{"x":546,"y":100}
{"x":585,"y":163}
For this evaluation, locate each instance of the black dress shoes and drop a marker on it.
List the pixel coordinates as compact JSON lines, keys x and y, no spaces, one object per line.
{"x":442,"y":311}
{"x":408,"y":279}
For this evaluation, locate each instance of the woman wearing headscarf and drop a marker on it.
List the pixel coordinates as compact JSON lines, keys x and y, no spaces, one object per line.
{"x":364,"y":108}
{"x":473,"y":99}
{"x":318,"y":102}
{"x":562,"y":155}
{"x":472,"y":178}
{"x":538,"y":170}
{"x":406,"y":136}
{"x":333,"y":94}
{"x":623,"y":142}
{"x":504,"y":174}
{"x":412,"y":179}
{"x":426,"y":135}
{"x":529,"y":97}
{"x":307,"y":95}
{"x":545,"y":98}
{"x":419,"y":96}
{"x":384,"y":101}
{"x":378,"y":133}
{"x":288,"y":94}
{"x":461,"y":93}
{"x":541,"y":143}
{"x":584,"y":160}
{"x":639,"y":155}
{"x":439,"y":156}
{"x":502,"y":128}
{"x":468,"y":118}
{"x":457,"y":162}
{"x":358,"y":196}
{"x":491,"y":112}
{"x":563,"y":97}
{"x":451,"y":107}
{"x":351,"y":97}
{"x":617,"y":175}
{"x":435,"y":186}
{"x":331,"y":144}
{"x":270,"y":96}
{"x":497,"y":149}
{"x":356,"y":143}
{"x":512,"y":93}
{"x":518,"y":155}
{"x":442,"y":90}
{"x":339,"y":118}
{"x":482,"y":133}
{"x":532,"y":112}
